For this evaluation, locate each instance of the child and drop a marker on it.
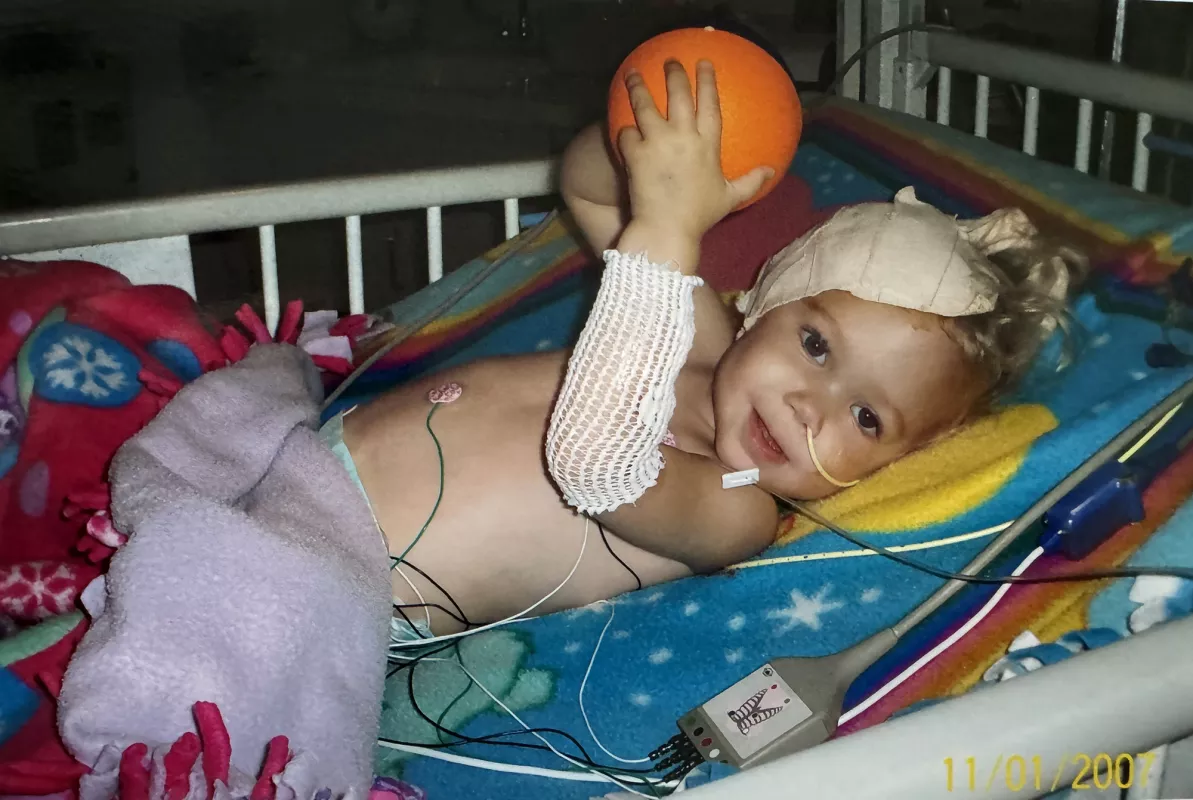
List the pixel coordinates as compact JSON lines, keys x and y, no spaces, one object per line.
{"x":873,"y":335}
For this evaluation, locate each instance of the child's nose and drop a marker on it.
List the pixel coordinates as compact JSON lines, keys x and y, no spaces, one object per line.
{"x":807,"y":410}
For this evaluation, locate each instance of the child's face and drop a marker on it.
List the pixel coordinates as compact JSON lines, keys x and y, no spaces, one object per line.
{"x":871,"y":381}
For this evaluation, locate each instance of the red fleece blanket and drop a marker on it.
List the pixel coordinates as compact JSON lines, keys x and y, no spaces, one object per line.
{"x":86,"y":360}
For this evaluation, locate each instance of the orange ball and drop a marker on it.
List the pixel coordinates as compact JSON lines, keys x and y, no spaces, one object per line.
{"x":761,"y":117}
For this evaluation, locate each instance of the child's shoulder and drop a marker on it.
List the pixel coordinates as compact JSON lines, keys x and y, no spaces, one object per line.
{"x":707,"y":525}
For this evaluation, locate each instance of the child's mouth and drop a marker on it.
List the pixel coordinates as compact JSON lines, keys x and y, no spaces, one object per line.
{"x":764,"y":443}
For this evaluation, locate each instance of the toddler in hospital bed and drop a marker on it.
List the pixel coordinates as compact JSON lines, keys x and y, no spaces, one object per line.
{"x":871,"y":336}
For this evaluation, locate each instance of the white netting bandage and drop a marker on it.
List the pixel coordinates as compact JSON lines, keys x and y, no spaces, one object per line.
{"x":619,"y":394}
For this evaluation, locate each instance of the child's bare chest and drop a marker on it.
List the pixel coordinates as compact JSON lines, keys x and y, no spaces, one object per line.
{"x":499,"y":533}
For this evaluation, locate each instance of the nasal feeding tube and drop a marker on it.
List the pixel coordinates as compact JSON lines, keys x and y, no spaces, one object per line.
{"x":820,"y":467}
{"x":747,"y":477}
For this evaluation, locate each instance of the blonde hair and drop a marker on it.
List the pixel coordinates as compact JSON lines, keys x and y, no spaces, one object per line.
{"x":1035,"y":279}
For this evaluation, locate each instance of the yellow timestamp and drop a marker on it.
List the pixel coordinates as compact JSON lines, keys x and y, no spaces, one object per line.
{"x":1023,"y":773}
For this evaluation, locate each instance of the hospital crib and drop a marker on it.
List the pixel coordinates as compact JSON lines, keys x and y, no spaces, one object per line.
{"x":1088,"y":704}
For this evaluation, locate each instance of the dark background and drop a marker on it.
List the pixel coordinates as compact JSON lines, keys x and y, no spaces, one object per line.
{"x":119,"y":99}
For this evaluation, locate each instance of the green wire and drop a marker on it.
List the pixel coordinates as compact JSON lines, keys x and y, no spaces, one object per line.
{"x":438,"y":499}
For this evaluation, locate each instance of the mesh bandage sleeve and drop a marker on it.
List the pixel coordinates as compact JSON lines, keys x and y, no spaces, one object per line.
{"x":619,"y":393}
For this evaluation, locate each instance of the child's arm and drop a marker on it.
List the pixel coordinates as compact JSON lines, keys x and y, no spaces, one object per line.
{"x":611,"y":416}
{"x":687,"y":516}
{"x":595,"y":189}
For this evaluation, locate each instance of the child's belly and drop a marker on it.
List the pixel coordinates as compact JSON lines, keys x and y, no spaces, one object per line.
{"x":501,"y":538}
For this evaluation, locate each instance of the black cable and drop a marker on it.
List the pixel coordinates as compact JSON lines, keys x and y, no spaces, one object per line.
{"x":465,"y":739}
{"x":870,"y":44}
{"x":609,"y":547}
{"x":438,"y":607}
{"x":437,"y":724}
{"x":1094,"y":575}
{"x":463,"y":618}
{"x":439,"y":729}
{"x":586,"y":760}
{"x":486,"y":739}
{"x":413,"y":661}
{"x":491,"y":737}
{"x":410,"y":623}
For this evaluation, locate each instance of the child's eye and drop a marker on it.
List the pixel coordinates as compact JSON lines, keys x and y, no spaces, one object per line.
{"x":867,"y":420}
{"x":814,"y":344}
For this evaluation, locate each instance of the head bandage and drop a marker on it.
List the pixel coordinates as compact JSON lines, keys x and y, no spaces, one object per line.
{"x":904,"y":253}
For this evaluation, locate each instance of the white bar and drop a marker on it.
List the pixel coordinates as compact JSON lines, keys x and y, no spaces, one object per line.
{"x":1109,"y":118}
{"x":878,"y":72}
{"x":944,"y":94}
{"x":434,"y":243}
{"x":250,"y":207}
{"x":1085,"y":124}
{"x":1109,"y":84}
{"x":1096,"y":702}
{"x":269,"y":277}
{"x":981,"y":110}
{"x":512,"y":225}
{"x":356,"y":266}
{"x":849,"y":41}
{"x":1143,"y":126}
{"x":911,"y":64}
{"x":1031,"y":120}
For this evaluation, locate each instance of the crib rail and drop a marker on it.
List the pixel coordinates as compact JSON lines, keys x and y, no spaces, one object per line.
{"x":149,"y":221}
{"x":1047,"y":715}
{"x":898,"y":73}
{"x":1145,"y":94}
{"x":151,"y":235}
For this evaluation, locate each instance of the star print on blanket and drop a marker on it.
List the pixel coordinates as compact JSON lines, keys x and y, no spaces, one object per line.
{"x":673,"y":647}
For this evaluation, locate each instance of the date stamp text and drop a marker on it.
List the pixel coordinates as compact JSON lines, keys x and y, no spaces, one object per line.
{"x":1032,"y":773}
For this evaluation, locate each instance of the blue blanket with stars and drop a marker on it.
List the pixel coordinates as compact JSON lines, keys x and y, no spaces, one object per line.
{"x":667,"y":649}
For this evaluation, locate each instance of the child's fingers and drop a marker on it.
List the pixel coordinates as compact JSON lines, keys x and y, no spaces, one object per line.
{"x":646,"y":113}
{"x":708,"y":101}
{"x":749,"y":184}
{"x":680,"y":106}
{"x":629,"y":139}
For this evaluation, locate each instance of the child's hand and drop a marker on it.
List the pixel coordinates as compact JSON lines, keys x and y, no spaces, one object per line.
{"x":674,"y":163}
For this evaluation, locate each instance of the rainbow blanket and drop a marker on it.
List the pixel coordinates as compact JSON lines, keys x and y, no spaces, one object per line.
{"x":670,"y":648}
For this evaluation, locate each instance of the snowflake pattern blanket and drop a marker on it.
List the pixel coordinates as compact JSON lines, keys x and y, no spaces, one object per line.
{"x":86,"y":360}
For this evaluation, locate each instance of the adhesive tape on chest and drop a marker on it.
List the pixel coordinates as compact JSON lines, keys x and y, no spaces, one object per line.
{"x":820,"y":467}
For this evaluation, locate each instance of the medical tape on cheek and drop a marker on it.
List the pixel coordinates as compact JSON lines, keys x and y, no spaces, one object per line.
{"x":820,"y":467}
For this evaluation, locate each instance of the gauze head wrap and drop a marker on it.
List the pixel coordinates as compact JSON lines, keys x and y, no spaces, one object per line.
{"x":904,"y":253}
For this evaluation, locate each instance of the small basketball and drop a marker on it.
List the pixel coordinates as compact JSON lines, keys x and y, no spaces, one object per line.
{"x":761,"y":117}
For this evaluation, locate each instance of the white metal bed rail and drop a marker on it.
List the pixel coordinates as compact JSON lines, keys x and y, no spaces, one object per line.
{"x":1145,"y":94}
{"x":896,"y":75}
{"x":1084,"y":705}
{"x":150,"y":222}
